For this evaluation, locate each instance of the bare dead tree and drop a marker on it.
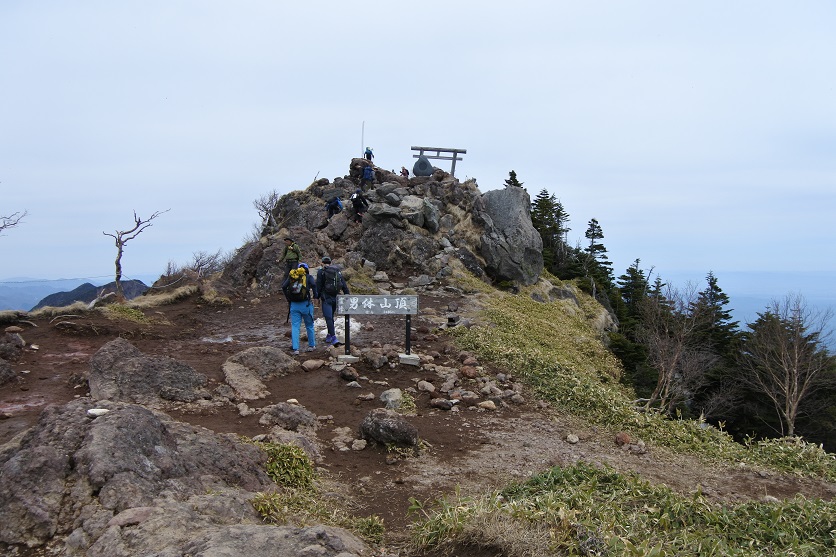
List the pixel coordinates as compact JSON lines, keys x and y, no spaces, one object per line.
{"x":265,"y":206}
{"x":669,"y":323}
{"x":784,"y":356}
{"x":10,"y":221}
{"x":205,"y":263}
{"x":122,"y":237}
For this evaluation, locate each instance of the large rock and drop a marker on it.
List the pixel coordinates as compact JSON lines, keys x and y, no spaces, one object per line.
{"x":121,"y":372}
{"x":11,"y":346}
{"x":388,"y":427}
{"x":511,"y":246}
{"x":134,"y":482}
{"x":7,"y":374}
{"x":246,"y":370}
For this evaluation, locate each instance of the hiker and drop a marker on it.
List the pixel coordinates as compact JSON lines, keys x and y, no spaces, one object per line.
{"x":300,"y":292}
{"x":368,"y":176}
{"x":329,"y":283}
{"x":404,"y":172}
{"x":360,"y":203}
{"x":290,"y":256}
{"x":368,"y":154}
{"x":334,"y":206}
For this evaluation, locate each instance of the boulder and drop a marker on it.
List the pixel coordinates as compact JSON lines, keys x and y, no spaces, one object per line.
{"x":288,"y":416}
{"x":120,"y":372}
{"x":71,"y":474}
{"x":7,"y":374}
{"x":511,"y":246}
{"x":388,"y":427}
{"x":11,"y":345}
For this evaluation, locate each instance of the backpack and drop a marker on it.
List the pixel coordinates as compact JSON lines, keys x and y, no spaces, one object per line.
{"x":335,"y":204}
{"x":368,"y":173}
{"x":297,"y":290}
{"x":331,"y":280}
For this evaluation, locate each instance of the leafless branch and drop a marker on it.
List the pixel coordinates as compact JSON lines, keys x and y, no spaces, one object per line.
{"x":12,"y":220}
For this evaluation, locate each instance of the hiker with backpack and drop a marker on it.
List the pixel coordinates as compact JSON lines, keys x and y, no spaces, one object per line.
{"x":334,"y":206}
{"x":360,"y":204}
{"x":300,"y":292}
{"x":290,"y":256}
{"x":329,"y":283}
{"x":368,"y":155}
{"x":368,"y":176}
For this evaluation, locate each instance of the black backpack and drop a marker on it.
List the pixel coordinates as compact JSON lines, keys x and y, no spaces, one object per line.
{"x":298,"y":291}
{"x":331,"y":280}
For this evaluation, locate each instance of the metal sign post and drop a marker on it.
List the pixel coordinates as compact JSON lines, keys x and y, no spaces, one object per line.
{"x":373,"y":304}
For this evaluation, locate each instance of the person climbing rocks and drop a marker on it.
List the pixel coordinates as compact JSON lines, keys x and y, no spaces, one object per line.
{"x":334,"y":206}
{"x":404,"y":172}
{"x":290,"y":256}
{"x":360,"y":204}
{"x":368,"y":154}
{"x":300,"y":291}
{"x":329,"y":283}
{"x":368,"y":176}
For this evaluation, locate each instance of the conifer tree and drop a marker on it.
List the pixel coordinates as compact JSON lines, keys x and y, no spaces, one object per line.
{"x":550,"y":220}
{"x":596,"y":264}
{"x":512,"y":180}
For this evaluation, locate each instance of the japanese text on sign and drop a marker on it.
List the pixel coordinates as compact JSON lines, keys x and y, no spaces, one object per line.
{"x":365,"y":304}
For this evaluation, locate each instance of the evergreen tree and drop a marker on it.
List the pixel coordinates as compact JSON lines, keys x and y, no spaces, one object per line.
{"x":627,"y":299}
{"x":719,"y":398}
{"x":512,"y":180}
{"x":717,"y":329}
{"x":596,"y":264}
{"x":550,"y":220}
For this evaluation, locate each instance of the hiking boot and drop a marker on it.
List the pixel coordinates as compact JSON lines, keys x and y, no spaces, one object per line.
{"x":329,"y":339}
{"x":310,"y":349}
{"x":295,"y":352}
{"x":335,"y":340}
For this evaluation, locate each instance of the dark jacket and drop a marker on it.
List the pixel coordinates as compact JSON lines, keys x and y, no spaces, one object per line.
{"x":320,"y":284}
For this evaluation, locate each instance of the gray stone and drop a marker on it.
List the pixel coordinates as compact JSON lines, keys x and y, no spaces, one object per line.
{"x":388,"y":427}
{"x":125,"y":459}
{"x":120,"y":372}
{"x":392,"y":398}
{"x":7,"y":374}
{"x":288,"y":416}
{"x":511,"y":246}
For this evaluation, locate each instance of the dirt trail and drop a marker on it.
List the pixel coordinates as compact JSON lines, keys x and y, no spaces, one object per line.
{"x":471,"y":449}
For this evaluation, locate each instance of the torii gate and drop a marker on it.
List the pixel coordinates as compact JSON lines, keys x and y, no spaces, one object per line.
{"x":438,"y":150}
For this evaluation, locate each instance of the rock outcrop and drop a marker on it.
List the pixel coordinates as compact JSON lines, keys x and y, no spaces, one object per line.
{"x":424,"y":225}
{"x":121,"y":372}
{"x":511,"y":246}
{"x":117,"y":480}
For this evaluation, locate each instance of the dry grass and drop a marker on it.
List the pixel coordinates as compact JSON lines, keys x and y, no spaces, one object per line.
{"x":166,"y":298}
{"x":50,"y":312}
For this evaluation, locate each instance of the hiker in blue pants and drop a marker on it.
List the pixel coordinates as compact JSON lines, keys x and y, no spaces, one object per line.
{"x":329,"y":283}
{"x":300,"y":292}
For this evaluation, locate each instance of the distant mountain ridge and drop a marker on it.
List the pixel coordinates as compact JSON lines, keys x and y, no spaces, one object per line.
{"x":88,"y":292}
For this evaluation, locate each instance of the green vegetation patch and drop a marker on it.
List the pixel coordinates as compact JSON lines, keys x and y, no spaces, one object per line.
{"x":583,"y":510}
{"x":300,"y":500}
{"x":557,"y":353}
{"x":123,"y":312}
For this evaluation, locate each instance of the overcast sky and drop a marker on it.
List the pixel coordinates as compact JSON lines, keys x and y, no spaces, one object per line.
{"x":701,"y":135}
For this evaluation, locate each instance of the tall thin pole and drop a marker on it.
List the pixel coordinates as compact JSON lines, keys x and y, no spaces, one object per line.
{"x":362,"y":138}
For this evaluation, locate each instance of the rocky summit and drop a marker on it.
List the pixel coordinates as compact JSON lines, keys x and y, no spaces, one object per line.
{"x":181,"y":423}
{"x":428,"y":226}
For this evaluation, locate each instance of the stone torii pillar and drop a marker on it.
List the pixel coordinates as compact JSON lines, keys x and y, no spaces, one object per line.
{"x":438,"y":151}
